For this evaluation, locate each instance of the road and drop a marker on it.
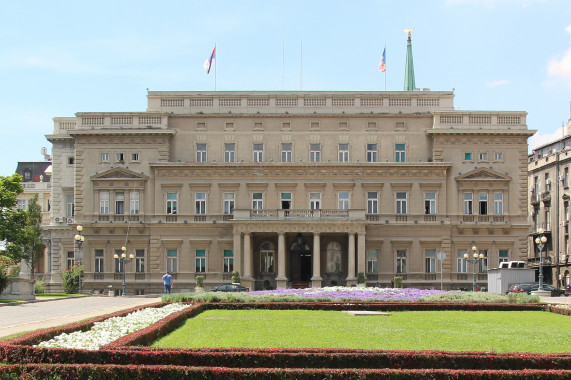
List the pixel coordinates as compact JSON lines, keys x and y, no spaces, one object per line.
{"x":38,"y":315}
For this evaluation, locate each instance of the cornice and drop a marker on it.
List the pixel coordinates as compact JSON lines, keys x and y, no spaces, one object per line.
{"x":123,"y":132}
{"x":496,"y":132}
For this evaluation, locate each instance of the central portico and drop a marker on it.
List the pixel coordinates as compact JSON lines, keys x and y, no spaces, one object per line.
{"x":298,"y":248}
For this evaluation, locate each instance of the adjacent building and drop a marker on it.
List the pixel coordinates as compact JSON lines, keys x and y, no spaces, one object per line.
{"x":301,"y":188}
{"x":549,"y":198}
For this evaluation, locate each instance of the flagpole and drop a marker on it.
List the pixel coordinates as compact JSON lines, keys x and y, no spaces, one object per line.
{"x":215,"y":64}
{"x":385,"y":51}
{"x":301,"y":66}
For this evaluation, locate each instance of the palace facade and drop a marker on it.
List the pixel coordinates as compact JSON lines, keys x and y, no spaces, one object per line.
{"x":290,"y":189}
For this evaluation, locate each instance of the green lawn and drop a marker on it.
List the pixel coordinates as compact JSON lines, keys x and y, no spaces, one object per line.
{"x":499,"y":331}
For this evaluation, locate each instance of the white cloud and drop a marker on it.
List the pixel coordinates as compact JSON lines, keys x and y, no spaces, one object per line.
{"x":496,"y":83}
{"x":540,"y":139}
{"x":561,"y":68}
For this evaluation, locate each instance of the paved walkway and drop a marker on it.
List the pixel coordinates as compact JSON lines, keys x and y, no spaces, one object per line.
{"x":56,"y":312}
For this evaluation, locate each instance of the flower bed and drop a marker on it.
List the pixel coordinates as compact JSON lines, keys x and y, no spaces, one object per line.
{"x":560,"y":309}
{"x":111,"y":329}
{"x":185,"y":372}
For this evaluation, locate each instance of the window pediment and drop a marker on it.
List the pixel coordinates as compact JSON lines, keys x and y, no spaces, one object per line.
{"x":119,"y":174}
{"x":483,"y":174}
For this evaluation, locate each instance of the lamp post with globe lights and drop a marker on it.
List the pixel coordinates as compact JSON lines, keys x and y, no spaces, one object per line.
{"x":122,"y":261}
{"x":476,"y":259}
{"x":540,"y":240}
{"x":79,"y":239}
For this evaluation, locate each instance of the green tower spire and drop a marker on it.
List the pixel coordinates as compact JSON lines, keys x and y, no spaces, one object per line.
{"x":409,"y":84}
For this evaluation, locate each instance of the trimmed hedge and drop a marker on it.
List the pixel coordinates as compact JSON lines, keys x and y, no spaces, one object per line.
{"x":559,"y":310}
{"x":97,"y":372}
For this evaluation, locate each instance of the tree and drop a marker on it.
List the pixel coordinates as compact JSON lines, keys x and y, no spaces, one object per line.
{"x":12,"y":220}
{"x":32,"y":245}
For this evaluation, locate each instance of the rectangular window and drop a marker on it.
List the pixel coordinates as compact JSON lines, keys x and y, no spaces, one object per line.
{"x":105,"y":157}
{"x":119,"y":203}
{"x":200,"y":203}
{"x":314,"y":152}
{"x":70,"y":259}
{"x":119,"y":264}
{"x":400,"y":152}
{"x":228,"y":203}
{"x":372,"y":261}
{"x":547,"y":220}
{"x":547,"y":182}
{"x":200,"y":261}
{"x":120,"y":157}
{"x":98,"y":264}
{"x":228,"y":261}
{"x":372,"y":202}
{"x":499,"y":203}
{"x":135,"y":157}
{"x":468,"y":204}
{"x":285,"y":199}
{"x":401,"y":260}
{"x":257,"y":201}
{"x":314,"y":201}
{"x":258,"y":153}
{"x":343,"y":201}
{"x":343,"y":152}
{"x":140,"y":261}
{"x":483,"y":204}
{"x":201,"y":153}
{"x":266,"y":262}
{"x":468,"y":156}
{"x":430,"y":260}
{"x":372,"y":152}
{"x":462,"y":263}
{"x":498,"y":156}
{"x":401,"y":202}
{"x":286,"y":152}
{"x":70,"y":211}
{"x":430,"y":203}
{"x":135,"y":204}
{"x":504,"y":256}
{"x":22,"y":204}
{"x":104,"y":203}
{"x":172,"y":260}
{"x":483,"y":156}
{"x":566,"y":177}
{"x":230,"y":152}
{"x":483,"y":263}
{"x":172,"y":203}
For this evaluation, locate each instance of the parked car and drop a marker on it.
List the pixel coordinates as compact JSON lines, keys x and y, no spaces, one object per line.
{"x":230,"y":288}
{"x":520,"y":288}
{"x":568,"y":290}
{"x":528,"y":288}
{"x":554,"y":291}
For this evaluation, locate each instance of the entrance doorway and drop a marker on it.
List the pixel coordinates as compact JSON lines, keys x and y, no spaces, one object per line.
{"x":300,"y":260}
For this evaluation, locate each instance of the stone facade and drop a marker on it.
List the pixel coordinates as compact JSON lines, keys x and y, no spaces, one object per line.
{"x":289,"y":188}
{"x":548,"y":200}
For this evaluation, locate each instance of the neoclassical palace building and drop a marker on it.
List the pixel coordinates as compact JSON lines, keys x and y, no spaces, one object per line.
{"x":289,"y":188}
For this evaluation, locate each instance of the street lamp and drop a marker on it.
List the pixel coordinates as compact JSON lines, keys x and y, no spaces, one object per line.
{"x":79,"y":239}
{"x":474,"y":261}
{"x":540,"y":241}
{"x":122,"y":261}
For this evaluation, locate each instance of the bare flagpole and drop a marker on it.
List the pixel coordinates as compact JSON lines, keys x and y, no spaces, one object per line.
{"x":300,"y":66}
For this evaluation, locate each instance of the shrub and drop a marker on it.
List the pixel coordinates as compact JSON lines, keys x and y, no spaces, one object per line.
{"x":199,"y":281}
{"x":236,"y":277}
{"x":70,"y":279}
{"x":398,"y":282}
{"x":3,"y":278}
{"x":360,"y":278}
{"x":40,"y":286}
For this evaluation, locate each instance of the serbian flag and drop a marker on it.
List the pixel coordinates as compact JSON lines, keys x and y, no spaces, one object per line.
{"x":209,"y":62}
{"x":383,"y":65}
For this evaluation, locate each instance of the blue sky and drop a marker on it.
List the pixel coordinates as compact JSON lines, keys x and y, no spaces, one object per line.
{"x":62,"y":57}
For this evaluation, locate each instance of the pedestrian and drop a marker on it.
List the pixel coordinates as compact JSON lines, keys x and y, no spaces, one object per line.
{"x":167,"y":281}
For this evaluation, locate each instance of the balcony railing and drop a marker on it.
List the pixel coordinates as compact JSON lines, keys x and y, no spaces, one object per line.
{"x":303,"y":214}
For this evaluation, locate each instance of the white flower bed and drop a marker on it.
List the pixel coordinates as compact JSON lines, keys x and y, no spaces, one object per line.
{"x":568,"y":307}
{"x":112,"y":329}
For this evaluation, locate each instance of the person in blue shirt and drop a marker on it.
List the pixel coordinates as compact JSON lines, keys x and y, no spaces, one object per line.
{"x":167,"y":281}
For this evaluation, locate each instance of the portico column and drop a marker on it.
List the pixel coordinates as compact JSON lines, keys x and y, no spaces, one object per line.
{"x":281,"y":280}
{"x":247,"y":256}
{"x":316,"y":279}
{"x":237,"y":248}
{"x":361,"y":264}
{"x":351,"y":260}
